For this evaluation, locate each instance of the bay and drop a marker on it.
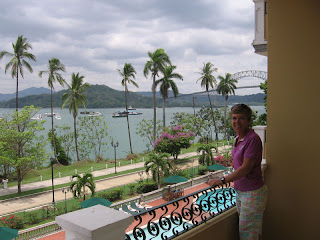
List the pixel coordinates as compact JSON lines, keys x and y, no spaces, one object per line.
{"x":117,"y":127}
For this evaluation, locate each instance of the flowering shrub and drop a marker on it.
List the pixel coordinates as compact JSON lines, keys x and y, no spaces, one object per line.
{"x":222,"y":160}
{"x":173,"y":139}
{"x":13,"y":221}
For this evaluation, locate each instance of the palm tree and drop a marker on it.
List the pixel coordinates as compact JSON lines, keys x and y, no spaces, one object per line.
{"x":78,"y":188}
{"x":156,"y":63}
{"x":207,"y":81}
{"x":158,"y":164}
{"x":165,"y":83}
{"x":54,"y":68}
{"x":75,"y":98}
{"x":128,"y":73}
{"x":226,"y":86}
{"x":206,"y":157}
{"x":18,"y":61}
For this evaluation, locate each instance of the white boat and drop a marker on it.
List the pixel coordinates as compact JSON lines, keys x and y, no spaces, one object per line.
{"x":131,"y":108}
{"x":37,"y":117}
{"x":57,"y":116}
{"x":94,"y":114}
{"x":120,"y":114}
{"x":134,"y":113}
{"x":50,"y":115}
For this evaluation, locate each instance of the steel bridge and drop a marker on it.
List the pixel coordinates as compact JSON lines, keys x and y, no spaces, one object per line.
{"x":239,"y":75}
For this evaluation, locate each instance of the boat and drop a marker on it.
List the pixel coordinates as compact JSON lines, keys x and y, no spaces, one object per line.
{"x":57,"y":116}
{"x":85,"y":112}
{"x":120,"y":114}
{"x":131,"y":108}
{"x":37,"y":117}
{"x":50,"y":115}
{"x":134,"y":113}
{"x":94,"y":114}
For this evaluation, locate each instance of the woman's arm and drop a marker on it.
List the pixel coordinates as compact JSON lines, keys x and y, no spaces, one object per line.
{"x":242,"y":171}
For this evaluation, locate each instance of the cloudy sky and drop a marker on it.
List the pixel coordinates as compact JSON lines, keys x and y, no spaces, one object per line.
{"x":97,"y":37}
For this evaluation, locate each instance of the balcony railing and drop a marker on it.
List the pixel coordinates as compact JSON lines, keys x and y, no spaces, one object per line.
{"x":38,"y":231}
{"x":180,"y":215}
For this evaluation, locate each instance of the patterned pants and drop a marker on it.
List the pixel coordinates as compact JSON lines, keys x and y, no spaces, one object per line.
{"x":250,"y":206}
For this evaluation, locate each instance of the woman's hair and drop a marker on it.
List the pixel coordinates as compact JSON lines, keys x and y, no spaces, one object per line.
{"x":242,"y":108}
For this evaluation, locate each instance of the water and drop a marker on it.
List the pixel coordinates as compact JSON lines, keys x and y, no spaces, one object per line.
{"x":117,"y":127}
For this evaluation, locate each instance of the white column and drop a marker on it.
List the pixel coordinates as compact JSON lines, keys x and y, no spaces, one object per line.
{"x":259,"y":22}
{"x":95,"y":223}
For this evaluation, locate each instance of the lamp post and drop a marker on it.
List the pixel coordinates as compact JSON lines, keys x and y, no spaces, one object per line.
{"x":192,"y":168}
{"x":65,"y":190}
{"x":115,"y":145}
{"x":52,"y":162}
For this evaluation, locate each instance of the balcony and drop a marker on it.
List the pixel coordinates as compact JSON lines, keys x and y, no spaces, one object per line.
{"x":260,"y":43}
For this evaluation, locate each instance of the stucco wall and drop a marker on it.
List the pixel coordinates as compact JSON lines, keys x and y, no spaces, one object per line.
{"x":293,"y":135}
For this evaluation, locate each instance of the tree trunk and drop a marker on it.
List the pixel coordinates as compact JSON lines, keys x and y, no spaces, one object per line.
{"x":225,"y":117}
{"x":164,"y":112}
{"x":17,"y":90}
{"x":19,"y":179}
{"x":125,"y":93}
{"x":154,"y":108}
{"x":214,"y":121}
{"x":52,"y":130}
{"x":75,"y":136}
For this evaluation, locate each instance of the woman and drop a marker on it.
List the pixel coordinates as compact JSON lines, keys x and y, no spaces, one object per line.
{"x":251,"y":192}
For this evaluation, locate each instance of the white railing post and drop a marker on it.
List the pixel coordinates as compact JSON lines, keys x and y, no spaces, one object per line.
{"x":76,"y":171}
{"x":40,"y":178}
{"x":59,"y":174}
{"x":106,"y":165}
{"x":91,"y":169}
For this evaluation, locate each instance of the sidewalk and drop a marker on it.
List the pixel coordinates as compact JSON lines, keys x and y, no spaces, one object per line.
{"x":45,"y":198}
{"x":62,"y":180}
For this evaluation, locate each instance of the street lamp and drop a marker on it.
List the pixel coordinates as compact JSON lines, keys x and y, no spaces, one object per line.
{"x":52,"y":162}
{"x":65,"y":190}
{"x":115,"y":145}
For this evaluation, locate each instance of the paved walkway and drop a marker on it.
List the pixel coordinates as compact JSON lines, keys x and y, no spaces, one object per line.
{"x":45,"y":198}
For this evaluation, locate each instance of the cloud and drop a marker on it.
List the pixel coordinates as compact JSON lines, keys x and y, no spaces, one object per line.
{"x":95,"y":38}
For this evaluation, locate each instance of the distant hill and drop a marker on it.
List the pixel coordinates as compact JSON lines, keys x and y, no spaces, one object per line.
{"x":24,"y":93}
{"x":101,"y":96}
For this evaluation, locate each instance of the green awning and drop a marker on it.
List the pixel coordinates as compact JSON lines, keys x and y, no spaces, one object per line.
{"x":175,"y":179}
{"x":217,"y":167}
{"x":8,"y":233}
{"x":95,"y":201}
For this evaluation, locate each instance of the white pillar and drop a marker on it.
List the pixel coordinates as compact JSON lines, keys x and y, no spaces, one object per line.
{"x":40,"y":178}
{"x":91,"y":169}
{"x":119,"y":164}
{"x":95,"y":223}
{"x":131,"y":161}
{"x":5,"y":183}
{"x":262,"y":132}
{"x":59,"y":174}
{"x":75,"y":171}
{"x":106,"y":165}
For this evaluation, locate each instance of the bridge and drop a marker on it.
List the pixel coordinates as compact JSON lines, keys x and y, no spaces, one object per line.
{"x":239,"y":75}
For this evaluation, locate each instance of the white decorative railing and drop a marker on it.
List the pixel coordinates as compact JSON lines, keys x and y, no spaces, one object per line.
{"x":38,"y":231}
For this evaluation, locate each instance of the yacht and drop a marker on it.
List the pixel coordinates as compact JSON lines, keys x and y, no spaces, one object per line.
{"x":94,"y":114}
{"x":37,"y":117}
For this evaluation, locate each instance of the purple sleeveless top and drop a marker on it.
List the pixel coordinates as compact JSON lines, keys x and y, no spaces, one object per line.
{"x":250,"y":147}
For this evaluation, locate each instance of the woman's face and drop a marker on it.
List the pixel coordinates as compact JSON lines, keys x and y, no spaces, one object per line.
{"x":240,"y":123}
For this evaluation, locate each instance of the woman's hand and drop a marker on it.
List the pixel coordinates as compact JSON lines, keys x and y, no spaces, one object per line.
{"x":215,"y":182}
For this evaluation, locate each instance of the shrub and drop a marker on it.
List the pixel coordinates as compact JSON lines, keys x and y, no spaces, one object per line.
{"x":146,"y":187}
{"x":13,"y":221}
{"x":111,"y":195}
{"x":132,"y":188}
{"x":202,"y":170}
{"x":32,"y":218}
{"x":99,"y":159}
